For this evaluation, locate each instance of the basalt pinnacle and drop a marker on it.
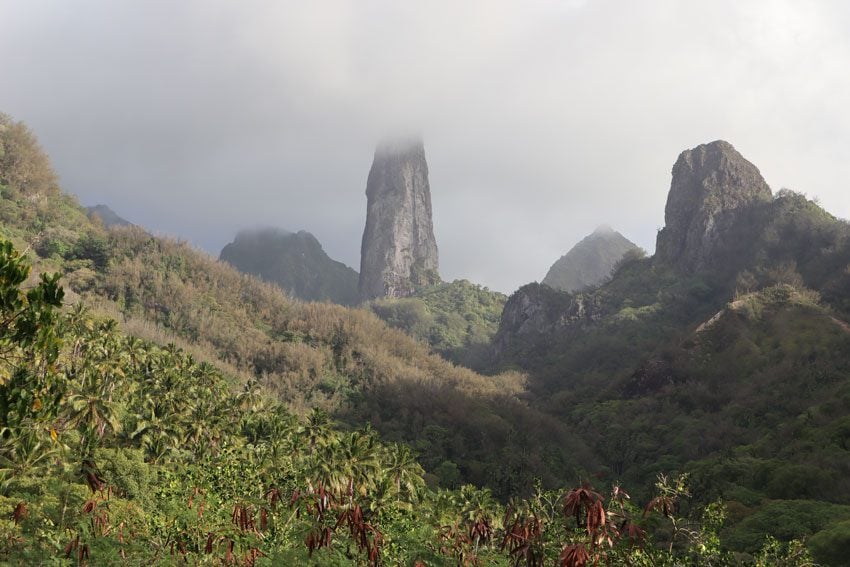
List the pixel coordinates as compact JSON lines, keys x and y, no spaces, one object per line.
{"x":714,"y":197}
{"x":399,"y":252}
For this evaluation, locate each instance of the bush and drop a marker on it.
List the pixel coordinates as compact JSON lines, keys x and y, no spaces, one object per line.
{"x":92,"y":247}
{"x":831,"y":546}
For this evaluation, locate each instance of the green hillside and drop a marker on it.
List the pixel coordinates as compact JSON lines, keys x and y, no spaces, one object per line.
{"x":311,"y":355}
{"x":457,"y":319}
{"x":743,"y":381}
{"x":114,"y":450}
{"x":176,"y":411}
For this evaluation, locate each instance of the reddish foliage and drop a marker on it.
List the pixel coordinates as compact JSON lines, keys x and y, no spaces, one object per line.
{"x":318,"y":539}
{"x":633,"y":533}
{"x":574,"y":556}
{"x":368,"y":539}
{"x":273,"y":496}
{"x":521,"y":537}
{"x":480,"y":531}
{"x":72,"y":545}
{"x":579,"y":500}
{"x":666,"y":505}
{"x":588,"y":508}
{"x":455,"y":542}
{"x":243,"y":518}
{"x":92,"y":475}
{"x":20,"y":513}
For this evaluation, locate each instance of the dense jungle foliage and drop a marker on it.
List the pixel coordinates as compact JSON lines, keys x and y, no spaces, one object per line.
{"x":116,"y":451}
{"x":457,"y":319}
{"x":752,"y":405}
{"x":742,"y":380}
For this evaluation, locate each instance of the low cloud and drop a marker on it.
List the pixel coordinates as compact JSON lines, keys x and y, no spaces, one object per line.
{"x":541,"y":119}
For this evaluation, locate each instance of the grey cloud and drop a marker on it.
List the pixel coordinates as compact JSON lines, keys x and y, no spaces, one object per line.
{"x":541,"y":119}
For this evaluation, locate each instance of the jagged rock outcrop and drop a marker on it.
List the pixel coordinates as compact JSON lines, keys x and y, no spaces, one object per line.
{"x":399,"y":252}
{"x":715,"y":195}
{"x":591,"y":261}
{"x":536,"y":310}
{"x":296,"y":262}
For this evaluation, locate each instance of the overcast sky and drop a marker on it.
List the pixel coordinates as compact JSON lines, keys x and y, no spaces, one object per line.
{"x":542,"y":119}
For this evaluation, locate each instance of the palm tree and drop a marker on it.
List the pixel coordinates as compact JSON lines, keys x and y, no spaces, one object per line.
{"x":24,"y":449}
{"x":402,"y":468}
{"x":93,"y":412}
{"x":359,"y":462}
{"x":317,"y":429}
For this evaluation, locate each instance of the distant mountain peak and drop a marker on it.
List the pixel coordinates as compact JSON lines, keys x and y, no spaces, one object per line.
{"x":295,"y":261}
{"x":590,"y":262}
{"x":107,"y":216}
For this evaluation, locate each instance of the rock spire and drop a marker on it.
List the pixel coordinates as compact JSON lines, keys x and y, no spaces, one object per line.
{"x":714,"y":197}
{"x":399,"y":252}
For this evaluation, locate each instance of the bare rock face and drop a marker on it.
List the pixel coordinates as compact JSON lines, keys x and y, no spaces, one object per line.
{"x":536,"y":310}
{"x":715,"y":194}
{"x":399,"y":252}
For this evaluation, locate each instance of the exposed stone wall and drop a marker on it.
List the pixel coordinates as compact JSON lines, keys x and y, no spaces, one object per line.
{"x":399,"y":251}
{"x":714,"y":193}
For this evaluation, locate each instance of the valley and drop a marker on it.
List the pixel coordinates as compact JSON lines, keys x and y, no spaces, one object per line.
{"x":436,"y":422}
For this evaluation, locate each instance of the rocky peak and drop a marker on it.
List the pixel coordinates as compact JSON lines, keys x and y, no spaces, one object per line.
{"x":399,"y":251}
{"x":713,"y":197}
{"x":590,"y":262}
{"x":537,"y":310}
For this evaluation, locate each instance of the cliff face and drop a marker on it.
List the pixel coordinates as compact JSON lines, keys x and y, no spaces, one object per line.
{"x":714,"y":195}
{"x":399,"y":252}
{"x":535,"y":312}
{"x":590,"y":262}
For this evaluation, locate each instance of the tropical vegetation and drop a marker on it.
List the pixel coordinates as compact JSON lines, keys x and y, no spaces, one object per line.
{"x":160,"y":407}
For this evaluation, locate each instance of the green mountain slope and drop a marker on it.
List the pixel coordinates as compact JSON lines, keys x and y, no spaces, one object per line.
{"x":623,"y":382}
{"x":457,"y":319}
{"x":737,"y":372}
{"x":294,"y":261}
